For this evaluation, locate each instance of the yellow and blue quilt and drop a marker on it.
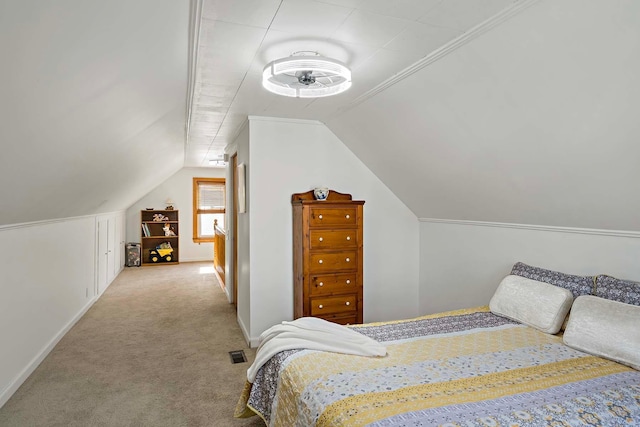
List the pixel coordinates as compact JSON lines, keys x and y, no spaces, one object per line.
{"x":460,"y":368}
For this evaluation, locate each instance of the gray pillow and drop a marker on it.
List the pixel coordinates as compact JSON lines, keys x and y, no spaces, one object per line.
{"x":605,"y":328}
{"x":618,"y":290}
{"x":578,"y":285}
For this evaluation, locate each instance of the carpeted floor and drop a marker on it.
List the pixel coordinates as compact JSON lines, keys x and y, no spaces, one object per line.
{"x":152,"y":351}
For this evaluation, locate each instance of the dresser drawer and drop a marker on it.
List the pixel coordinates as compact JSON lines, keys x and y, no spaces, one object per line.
{"x":340,"y":319}
{"x":333,"y":283}
{"x":333,"y":305}
{"x":323,"y":217}
{"x":322,"y":239}
{"x":333,"y":261}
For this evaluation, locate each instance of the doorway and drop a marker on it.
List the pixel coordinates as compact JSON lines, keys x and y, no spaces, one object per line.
{"x":234,"y":233}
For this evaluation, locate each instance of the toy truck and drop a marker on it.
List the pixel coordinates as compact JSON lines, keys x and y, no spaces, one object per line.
{"x":162,"y":253}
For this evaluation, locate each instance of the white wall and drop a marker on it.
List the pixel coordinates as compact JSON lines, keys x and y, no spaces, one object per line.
{"x":179,"y":188}
{"x":292,"y":156}
{"x":241,"y":146}
{"x":47,"y":282}
{"x":461,"y":264}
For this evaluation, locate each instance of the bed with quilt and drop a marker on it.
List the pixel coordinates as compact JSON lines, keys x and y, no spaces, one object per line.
{"x":515,"y":362}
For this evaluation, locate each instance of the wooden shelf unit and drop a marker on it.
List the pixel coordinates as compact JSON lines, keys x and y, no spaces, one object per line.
{"x":157,"y":236}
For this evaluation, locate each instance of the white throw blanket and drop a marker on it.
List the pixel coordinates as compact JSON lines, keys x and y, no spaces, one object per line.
{"x":312,"y":333}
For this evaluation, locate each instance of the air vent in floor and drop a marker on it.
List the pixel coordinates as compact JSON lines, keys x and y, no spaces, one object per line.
{"x":237,"y":356}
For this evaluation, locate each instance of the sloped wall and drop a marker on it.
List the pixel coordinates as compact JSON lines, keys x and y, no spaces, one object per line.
{"x":93,"y":104}
{"x":532,"y":122}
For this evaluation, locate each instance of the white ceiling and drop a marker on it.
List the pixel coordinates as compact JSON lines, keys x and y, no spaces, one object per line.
{"x":484,"y":110}
{"x":92,"y":104}
{"x":376,"y":38}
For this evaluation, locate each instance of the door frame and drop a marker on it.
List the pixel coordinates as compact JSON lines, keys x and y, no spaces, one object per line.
{"x":234,"y":233}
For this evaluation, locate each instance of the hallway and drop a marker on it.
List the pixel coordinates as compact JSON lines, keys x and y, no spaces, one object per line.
{"x":152,"y":351}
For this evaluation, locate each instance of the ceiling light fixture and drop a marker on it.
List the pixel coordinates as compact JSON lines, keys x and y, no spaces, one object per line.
{"x":306,"y":74}
{"x":217,"y":162}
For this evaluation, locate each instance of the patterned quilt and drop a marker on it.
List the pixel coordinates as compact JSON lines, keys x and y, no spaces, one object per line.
{"x":460,"y":368}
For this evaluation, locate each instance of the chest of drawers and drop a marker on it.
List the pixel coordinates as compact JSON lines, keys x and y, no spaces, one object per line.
{"x":327,"y":257}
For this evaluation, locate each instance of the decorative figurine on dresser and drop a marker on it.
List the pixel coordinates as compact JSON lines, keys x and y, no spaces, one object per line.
{"x":327,"y":256}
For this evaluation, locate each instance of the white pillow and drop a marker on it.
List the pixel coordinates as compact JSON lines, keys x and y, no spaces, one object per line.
{"x":605,"y":328}
{"x":537,"y":304}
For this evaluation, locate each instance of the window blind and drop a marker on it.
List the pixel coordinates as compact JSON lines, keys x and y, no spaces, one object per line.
{"x":211,"y":196}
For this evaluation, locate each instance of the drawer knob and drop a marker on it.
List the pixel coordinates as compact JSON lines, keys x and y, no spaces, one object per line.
{"x":348,"y":281}
{"x":348,"y":237}
{"x":319,"y":261}
{"x":319,"y":216}
{"x":320,"y":238}
{"x":348,"y":260}
{"x":347,"y":216}
{"x":321,"y":284}
{"x":320,"y":306}
{"x":347,"y":303}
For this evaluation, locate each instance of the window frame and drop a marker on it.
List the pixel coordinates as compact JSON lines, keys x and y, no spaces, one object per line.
{"x":196,"y":211}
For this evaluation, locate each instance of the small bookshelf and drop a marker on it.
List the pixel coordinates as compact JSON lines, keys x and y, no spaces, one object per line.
{"x":159,"y":235}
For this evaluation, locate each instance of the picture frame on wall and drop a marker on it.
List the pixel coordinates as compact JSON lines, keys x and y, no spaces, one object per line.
{"x":242,"y":205}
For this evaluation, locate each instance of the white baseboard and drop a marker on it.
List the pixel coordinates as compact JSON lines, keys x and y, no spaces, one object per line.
{"x":182,"y":259}
{"x":6,"y":394}
{"x":252,"y":342}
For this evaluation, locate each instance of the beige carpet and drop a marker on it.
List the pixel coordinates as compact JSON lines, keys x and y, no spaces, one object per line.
{"x":152,"y":351}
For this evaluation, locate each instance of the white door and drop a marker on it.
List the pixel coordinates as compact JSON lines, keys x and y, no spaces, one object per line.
{"x":119,"y":249}
{"x":111,"y":254}
{"x":103,"y":232}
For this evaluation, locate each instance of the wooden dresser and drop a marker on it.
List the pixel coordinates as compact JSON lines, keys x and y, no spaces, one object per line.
{"x":327,"y":257}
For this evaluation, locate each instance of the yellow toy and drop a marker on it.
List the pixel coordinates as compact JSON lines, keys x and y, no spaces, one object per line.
{"x":162,"y":253}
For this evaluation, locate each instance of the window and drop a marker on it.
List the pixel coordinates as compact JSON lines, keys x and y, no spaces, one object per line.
{"x":209,"y":203}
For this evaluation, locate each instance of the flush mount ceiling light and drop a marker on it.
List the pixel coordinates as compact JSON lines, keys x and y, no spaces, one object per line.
{"x":306,"y":75}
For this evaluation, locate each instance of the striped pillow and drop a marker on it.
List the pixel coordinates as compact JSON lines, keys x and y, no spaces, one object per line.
{"x":618,"y":290}
{"x":578,"y":285}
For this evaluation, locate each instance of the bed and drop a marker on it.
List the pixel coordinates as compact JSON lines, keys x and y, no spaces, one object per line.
{"x":504,"y":364}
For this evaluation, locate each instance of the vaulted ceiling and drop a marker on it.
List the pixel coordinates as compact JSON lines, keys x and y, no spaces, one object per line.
{"x":375,"y":38}
{"x":92,"y":103}
{"x":489,"y":110}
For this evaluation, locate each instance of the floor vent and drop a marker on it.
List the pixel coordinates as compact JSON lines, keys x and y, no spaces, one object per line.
{"x":237,"y":356}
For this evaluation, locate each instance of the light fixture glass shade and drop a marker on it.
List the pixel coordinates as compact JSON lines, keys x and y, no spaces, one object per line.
{"x":306,"y":76}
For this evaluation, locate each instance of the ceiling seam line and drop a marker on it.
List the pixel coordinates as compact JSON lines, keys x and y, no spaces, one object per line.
{"x":193,"y":64}
{"x":235,"y":95}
